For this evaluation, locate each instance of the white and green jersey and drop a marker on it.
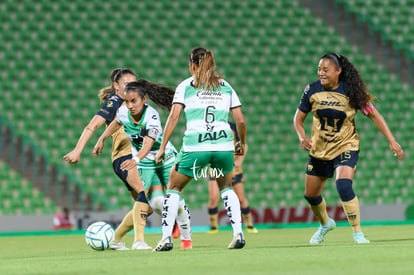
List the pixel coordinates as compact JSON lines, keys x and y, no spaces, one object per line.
{"x":149,"y":125}
{"x":207,"y":114}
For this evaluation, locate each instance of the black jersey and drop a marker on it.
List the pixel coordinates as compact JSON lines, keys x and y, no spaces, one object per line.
{"x":120,"y":143}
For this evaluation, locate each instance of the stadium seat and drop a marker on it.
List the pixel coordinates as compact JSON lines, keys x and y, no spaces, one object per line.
{"x":268,"y":54}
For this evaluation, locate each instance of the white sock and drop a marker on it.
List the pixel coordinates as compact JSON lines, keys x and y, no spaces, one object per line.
{"x":169,"y":212}
{"x":156,"y":204}
{"x":183,"y":220}
{"x":232,"y":206}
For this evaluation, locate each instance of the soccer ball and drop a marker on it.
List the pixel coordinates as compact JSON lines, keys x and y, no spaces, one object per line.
{"x":99,"y":235}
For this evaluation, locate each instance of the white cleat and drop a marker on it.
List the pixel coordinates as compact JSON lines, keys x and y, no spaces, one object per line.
{"x":164,"y":245}
{"x":140,"y":245}
{"x":319,"y":235}
{"x":118,"y":246}
{"x":359,"y":238}
{"x":238,"y":242}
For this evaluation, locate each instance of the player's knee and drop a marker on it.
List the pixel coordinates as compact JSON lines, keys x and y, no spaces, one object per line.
{"x":156,"y":204}
{"x":344,"y":189}
{"x":313,"y":200}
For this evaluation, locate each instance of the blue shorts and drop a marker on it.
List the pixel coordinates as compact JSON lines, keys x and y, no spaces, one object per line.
{"x":116,"y":165}
{"x":326,"y":168}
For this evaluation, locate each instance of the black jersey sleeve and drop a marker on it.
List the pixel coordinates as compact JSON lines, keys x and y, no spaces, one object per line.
{"x":304,"y":104}
{"x":109,"y":107}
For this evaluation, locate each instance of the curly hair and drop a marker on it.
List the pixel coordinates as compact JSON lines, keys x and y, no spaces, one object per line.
{"x":358,"y":94}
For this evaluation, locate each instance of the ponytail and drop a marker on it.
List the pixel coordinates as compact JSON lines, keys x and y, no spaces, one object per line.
{"x":104,"y":93}
{"x":161,"y":95}
{"x":205,"y":75}
{"x":358,"y":94}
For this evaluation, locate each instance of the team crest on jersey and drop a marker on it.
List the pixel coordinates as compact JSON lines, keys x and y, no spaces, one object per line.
{"x":209,"y":127}
{"x":113,"y":97}
{"x":110,"y":104}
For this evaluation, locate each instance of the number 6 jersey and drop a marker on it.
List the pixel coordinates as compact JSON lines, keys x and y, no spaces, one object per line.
{"x":207,"y":116}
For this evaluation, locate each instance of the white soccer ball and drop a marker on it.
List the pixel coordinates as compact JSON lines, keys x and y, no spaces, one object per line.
{"x":99,"y":235}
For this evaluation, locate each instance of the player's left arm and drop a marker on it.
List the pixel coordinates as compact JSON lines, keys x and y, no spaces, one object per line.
{"x":382,"y":125}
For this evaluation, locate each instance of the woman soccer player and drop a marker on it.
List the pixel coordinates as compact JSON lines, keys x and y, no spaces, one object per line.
{"x":206,"y":100}
{"x":142,"y":126}
{"x":334,"y":100}
{"x":238,"y":186}
{"x":112,"y":98}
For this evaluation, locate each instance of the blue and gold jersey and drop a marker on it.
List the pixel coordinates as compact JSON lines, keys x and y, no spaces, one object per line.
{"x":120,"y":143}
{"x":333,"y":125}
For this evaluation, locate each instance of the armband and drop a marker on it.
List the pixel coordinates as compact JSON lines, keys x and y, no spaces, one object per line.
{"x":137,"y":160}
{"x":153,"y":133}
{"x":367,"y":109}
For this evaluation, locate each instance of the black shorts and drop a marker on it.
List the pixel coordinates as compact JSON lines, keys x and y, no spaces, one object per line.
{"x":236,"y":179}
{"x":116,"y":164}
{"x":326,"y":168}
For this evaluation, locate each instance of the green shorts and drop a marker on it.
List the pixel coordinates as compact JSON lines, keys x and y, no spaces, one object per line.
{"x":155,"y":175}
{"x":194,"y":164}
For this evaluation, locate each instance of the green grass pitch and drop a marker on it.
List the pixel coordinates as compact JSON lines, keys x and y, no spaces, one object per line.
{"x":271,"y":251}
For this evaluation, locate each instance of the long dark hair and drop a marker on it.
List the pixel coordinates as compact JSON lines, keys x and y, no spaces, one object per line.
{"x":159,"y":94}
{"x":116,"y":74}
{"x":205,"y":75}
{"x":358,"y":94}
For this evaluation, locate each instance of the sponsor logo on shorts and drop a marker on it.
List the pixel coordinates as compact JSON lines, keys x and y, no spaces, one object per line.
{"x":206,"y":172}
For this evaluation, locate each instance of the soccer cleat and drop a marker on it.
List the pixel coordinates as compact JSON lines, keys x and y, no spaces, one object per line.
{"x":176,"y":231}
{"x":186,"y":244}
{"x":164,"y":245}
{"x":359,"y":238}
{"x":251,"y":229}
{"x":319,"y":235}
{"x":140,"y":245}
{"x":237,"y":242}
{"x":118,"y":246}
{"x":213,"y":230}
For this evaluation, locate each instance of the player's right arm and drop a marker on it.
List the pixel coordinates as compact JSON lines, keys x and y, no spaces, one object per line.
{"x":169,"y":127}
{"x":298,"y":123}
{"x":109,"y":131}
{"x":73,"y":156}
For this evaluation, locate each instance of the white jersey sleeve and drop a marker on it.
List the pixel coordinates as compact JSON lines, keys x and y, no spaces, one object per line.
{"x":179,"y":96}
{"x":235,"y":101}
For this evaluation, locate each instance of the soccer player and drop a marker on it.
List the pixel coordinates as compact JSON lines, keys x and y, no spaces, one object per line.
{"x":238,"y":186}
{"x":207,"y":100}
{"x":142,"y":125}
{"x":112,"y":98}
{"x":334,"y":100}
